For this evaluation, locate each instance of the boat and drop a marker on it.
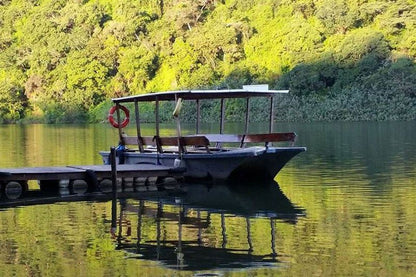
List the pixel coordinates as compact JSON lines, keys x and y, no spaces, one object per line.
{"x":220,"y":156}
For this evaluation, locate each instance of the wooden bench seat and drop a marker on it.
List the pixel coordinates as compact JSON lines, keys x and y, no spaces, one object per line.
{"x":135,"y":140}
{"x":250,"y":138}
{"x":267,"y":138}
{"x":224,"y":138}
{"x":195,"y":141}
{"x":160,"y":144}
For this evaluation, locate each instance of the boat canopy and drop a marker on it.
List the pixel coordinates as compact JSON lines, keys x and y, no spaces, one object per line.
{"x":246,"y":92}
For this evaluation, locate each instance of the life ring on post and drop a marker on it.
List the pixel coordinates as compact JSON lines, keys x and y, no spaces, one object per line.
{"x":114,"y":121}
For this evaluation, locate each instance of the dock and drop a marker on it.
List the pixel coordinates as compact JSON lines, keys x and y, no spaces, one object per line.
{"x":14,"y":180}
{"x":85,"y":172}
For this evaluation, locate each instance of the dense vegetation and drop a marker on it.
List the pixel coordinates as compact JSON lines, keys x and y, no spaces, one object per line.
{"x":61,"y":60}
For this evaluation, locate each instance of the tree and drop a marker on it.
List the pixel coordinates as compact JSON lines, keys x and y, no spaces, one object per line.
{"x":12,"y":98}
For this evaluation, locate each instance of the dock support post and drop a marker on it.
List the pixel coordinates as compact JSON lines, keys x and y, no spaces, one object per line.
{"x":114,"y":186}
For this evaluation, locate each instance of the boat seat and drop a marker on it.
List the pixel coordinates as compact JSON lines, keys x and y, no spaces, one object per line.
{"x":224,"y":137}
{"x":267,"y":138}
{"x":219,"y":139}
{"x":196,"y":141}
{"x":144,"y":141}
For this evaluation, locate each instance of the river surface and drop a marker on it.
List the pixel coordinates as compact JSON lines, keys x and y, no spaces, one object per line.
{"x":346,"y":207}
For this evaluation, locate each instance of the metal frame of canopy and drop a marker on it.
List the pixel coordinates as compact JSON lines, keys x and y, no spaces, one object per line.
{"x":247,"y":92}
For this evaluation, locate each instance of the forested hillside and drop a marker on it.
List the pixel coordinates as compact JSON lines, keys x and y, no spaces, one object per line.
{"x":61,"y":60}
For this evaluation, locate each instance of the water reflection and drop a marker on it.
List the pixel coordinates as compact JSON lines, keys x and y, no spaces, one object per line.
{"x":357,"y":182}
{"x":190,"y":227}
{"x":187,"y":237}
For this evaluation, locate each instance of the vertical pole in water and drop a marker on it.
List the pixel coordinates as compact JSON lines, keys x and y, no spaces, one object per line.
{"x":271,"y":115}
{"x":139,"y":224}
{"x":223,"y":231}
{"x":158,"y":219}
{"x":273,"y":240}
{"x":198,"y":213}
{"x":179,"y":254}
{"x":250,"y":244}
{"x":114,"y":186}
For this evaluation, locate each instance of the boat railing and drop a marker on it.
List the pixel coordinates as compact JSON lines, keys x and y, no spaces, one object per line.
{"x":140,"y":141}
{"x":268,"y":138}
{"x":197,"y":142}
{"x":160,"y":144}
{"x":265,"y":138}
{"x":202,"y":141}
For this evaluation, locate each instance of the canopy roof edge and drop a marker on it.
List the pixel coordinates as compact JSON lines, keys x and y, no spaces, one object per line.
{"x":199,"y":94}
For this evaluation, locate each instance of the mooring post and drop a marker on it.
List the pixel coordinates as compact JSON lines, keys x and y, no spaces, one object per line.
{"x":114,"y":186}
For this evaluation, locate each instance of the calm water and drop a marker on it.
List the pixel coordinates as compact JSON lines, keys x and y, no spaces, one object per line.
{"x":346,"y":207}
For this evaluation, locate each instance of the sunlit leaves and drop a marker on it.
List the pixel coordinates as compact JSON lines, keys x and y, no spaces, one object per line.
{"x":360,"y":43}
{"x":137,"y":65}
{"x":12,"y":99}
{"x":69,"y":54}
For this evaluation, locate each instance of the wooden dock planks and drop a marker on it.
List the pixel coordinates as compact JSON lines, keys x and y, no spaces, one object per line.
{"x":85,"y":171}
{"x":132,"y":170}
{"x":40,"y":173}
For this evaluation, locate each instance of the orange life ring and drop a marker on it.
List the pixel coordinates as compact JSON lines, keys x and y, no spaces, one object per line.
{"x":113,"y":121}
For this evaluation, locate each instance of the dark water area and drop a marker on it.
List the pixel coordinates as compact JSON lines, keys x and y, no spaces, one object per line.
{"x":346,"y":207}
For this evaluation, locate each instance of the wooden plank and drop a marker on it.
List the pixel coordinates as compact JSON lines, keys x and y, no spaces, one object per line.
{"x":122,"y":167}
{"x":131,"y":170}
{"x":224,"y":137}
{"x":131,"y":140}
{"x":273,"y":137}
{"x":183,"y":142}
{"x":83,"y":171}
{"x":41,"y":173}
{"x":197,"y":141}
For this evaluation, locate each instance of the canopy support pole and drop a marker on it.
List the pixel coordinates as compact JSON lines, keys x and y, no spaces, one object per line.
{"x":120,"y":129}
{"x":136,"y":112}
{"x":178,"y":126}
{"x":271,"y":115}
{"x":222,"y":119}
{"x":247,"y":115}
{"x":198,"y":115}
{"x":157,"y":117}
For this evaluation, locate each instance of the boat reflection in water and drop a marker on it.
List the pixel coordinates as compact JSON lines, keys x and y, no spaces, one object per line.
{"x":189,"y":229}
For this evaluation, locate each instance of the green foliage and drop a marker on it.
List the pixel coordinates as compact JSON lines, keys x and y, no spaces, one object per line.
{"x":60,"y":59}
{"x":12,"y":101}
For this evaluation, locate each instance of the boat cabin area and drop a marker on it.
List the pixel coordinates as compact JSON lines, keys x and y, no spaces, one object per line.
{"x":198,"y":142}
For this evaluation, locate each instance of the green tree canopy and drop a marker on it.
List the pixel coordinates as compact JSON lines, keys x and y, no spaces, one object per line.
{"x":62,"y":56}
